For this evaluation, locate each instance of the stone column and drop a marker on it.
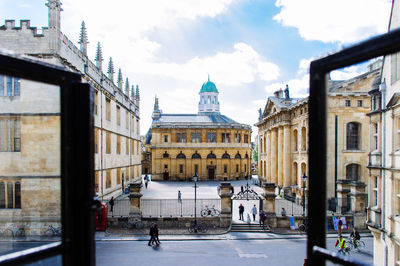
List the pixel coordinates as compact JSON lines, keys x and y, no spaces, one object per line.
{"x":286,"y":157}
{"x":269,"y":203}
{"x":358,"y":201}
{"x":343,"y":190}
{"x":274,"y":151}
{"x":134,"y":196}
{"x":226,"y":204}
{"x":280,"y":156}
{"x":268,"y":164}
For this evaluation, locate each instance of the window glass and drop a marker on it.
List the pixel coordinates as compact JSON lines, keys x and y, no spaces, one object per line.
{"x":1,"y":85}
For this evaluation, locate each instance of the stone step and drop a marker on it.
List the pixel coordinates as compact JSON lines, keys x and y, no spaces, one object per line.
{"x":244,"y":227}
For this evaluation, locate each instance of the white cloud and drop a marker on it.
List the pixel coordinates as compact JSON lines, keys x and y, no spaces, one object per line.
{"x":347,"y":73}
{"x":341,"y":21}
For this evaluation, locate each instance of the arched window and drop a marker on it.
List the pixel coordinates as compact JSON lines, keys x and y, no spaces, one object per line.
{"x":196,"y":156}
{"x":352,"y":172}
{"x":353,"y":136}
{"x":181,"y":156}
{"x":261,"y":168}
{"x":215,"y":99}
{"x":209,"y":99}
{"x":295,"y":141}
{"x":295,"y":172}
{"x":211,"y":156}
{"x":226,"y":156}
{"x":165,"y":155}
{"x":246,"y":156}
{"x":237,"y":156}
{"x":303,"y":139}
{"x":261,"y":145}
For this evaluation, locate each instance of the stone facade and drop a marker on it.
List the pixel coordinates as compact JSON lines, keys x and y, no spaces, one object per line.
{"x":207,"y":143}
{"x":384,"y":158}
{"x":33,"y":169}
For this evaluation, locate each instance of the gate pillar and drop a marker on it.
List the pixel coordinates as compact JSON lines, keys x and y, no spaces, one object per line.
{"x":269,"y":203}
{"x":226,"y":204}
{"x":134,"y":197}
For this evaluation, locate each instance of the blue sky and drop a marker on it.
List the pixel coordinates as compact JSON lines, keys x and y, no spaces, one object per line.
{"x":250,"y":48}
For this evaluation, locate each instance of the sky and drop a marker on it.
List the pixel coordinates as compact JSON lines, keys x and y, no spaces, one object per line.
{"x":249,"y":48}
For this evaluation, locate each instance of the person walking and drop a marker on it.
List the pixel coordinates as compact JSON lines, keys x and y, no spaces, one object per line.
{"x":122,"y":185}
{"x":254,"y":212}
{"x":156,"y":233}
{"x":179,"y":197}
{"x":283,"y":212}
{"x":263,"y":217}
{"x":241,"y":211}
{"x":111,"y":202}
{"x":152,"y":234}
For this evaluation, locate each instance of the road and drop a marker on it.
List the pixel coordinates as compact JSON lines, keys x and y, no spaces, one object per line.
{"x":213,"y":252}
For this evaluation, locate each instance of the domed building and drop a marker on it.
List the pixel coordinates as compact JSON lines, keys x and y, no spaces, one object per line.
{"x":208,"y":143}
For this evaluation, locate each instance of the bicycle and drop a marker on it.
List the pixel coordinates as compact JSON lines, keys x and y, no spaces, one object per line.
{"x":344,"y":251}
{"x":359,"y":244}
{"x":197,"y":227}
{"x":128,"y":224}
{"x":210,"y":211}
{"x":53,"y":231}
{"x":15,"y":231}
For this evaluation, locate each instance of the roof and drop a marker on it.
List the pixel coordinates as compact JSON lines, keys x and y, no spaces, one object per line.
{"x":208,"y":86}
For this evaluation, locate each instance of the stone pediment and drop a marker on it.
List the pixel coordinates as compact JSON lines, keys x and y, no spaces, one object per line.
{"x":270,"y":108}
{"x":394,"y":100}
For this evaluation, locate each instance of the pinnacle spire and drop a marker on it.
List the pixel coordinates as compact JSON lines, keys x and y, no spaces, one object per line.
{"x":111,"y":70}
{"x":83,"y":39}
{"x":120,"y":82}
{"x":137,"y":94}
{"x":127,"y":87}
{"x":133,"y":93}
{"x":156,"y":107}
{"x":99,"y":57}
{"x":208,"y":76}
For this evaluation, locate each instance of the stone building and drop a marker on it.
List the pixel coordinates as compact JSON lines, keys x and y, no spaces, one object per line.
{"x":116,"y":118}
{"x":283,"y":141}
{"x":208,"y":143}
{"x":384,"y":158}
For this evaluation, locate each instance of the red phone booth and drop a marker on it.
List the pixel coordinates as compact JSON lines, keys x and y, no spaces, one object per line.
{"x":101,"y":218}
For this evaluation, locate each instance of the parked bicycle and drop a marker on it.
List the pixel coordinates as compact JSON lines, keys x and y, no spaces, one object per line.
{"x":210,"y":211}
{"x":53,"y":231}
{"x":197,"y":227}
{"x":357,"y":244}
{"x":131,"y":224}
{"x":15,"y":231}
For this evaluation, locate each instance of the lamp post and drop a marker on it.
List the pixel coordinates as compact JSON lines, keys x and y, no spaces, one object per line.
{"x":195,"y":200}
{"x":304,"y":179}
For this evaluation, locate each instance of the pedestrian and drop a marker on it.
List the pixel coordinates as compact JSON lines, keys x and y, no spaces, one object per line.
{"x":152,"y":234}
{"x":122,"y":185}
{"x":146,"y":183}
{"x":111,"y":202}
{"x":218,"y":189}
{"x":156,"y":233}
{"x":263,"y":217}
{"x":339,"y":227}
{"x":179,"y":196}
{"x":283,"y":212}
{"x":241,"y":188}
{"x":254,"y":212}
{"x":232,"y":189}
{"x":241,"y":211}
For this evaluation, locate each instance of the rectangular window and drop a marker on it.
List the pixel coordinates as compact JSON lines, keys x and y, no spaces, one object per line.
{"x":347,"y":103}
{"x":181,"y":137}
{"x":395,"y":58}
{"x":237,"y":137}
{"x":118,"y":176}
{"x":10,"y":134}
{"x":165,"y":138}
{"x":138,"y":147}
{"x":166,"y":166}
{"x":96,"y":101}
{"x":108,"y":109}
{"x":375,"y":192}
{"x":126,"y":146}
{"x":181,"y":168}
{"x":96,"y":140}
{"x":237,"y":168}
{"x":96,"y":181}
{"x":132,"y":146}
{"x":196,"y":138}
{"x":227,"y":138}
{"x":108,"y":178}
{"x":397,"y":198}
{"x":359,"y":103}
{"x":108,"y":142}
{"x":10,"y":194}
{"x":9,"y":86}
{"x":118,"y":144}
{"x":211,"y":137}
{"x":225,"y":168}
{"x":118,"y":115}
{"x":246,"y":138}
{"x":137,"y":126}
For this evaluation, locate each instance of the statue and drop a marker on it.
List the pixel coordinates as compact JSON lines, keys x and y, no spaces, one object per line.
{"x":287,"y":92}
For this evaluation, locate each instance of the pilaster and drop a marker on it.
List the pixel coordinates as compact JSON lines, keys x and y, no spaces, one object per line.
{"x":226,"y":204}
{"x":134,"y":196}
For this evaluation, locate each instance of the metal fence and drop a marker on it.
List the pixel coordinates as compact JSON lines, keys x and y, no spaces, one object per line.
{"x":121,"y":208}
{"x":292,"y":208}
{"x":174,"y":208}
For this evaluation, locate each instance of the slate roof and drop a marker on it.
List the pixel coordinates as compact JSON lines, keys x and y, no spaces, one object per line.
{"x":195,"y":118}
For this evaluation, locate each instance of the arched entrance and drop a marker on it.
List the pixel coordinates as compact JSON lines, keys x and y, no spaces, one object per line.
{"x":248,"y":198}
{"x":211,"y":172}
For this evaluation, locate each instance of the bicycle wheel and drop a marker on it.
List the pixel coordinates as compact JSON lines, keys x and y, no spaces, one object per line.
{"x":360,"y":244}
{"x":204,"y":213}
{"x":302,"y":227}
{"x":215,"y":212}
{"x":350,"y":244}
{"x":191,"y":229}
{"x":139,"y":224}
{"x":125,"y":225}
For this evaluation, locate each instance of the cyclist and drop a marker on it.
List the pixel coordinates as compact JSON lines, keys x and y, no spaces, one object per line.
{"x":342,"y":245}
{"x":355,"y":236}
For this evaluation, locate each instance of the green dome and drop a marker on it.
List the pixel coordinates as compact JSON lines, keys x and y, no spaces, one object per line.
{"x":208,"y":86}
